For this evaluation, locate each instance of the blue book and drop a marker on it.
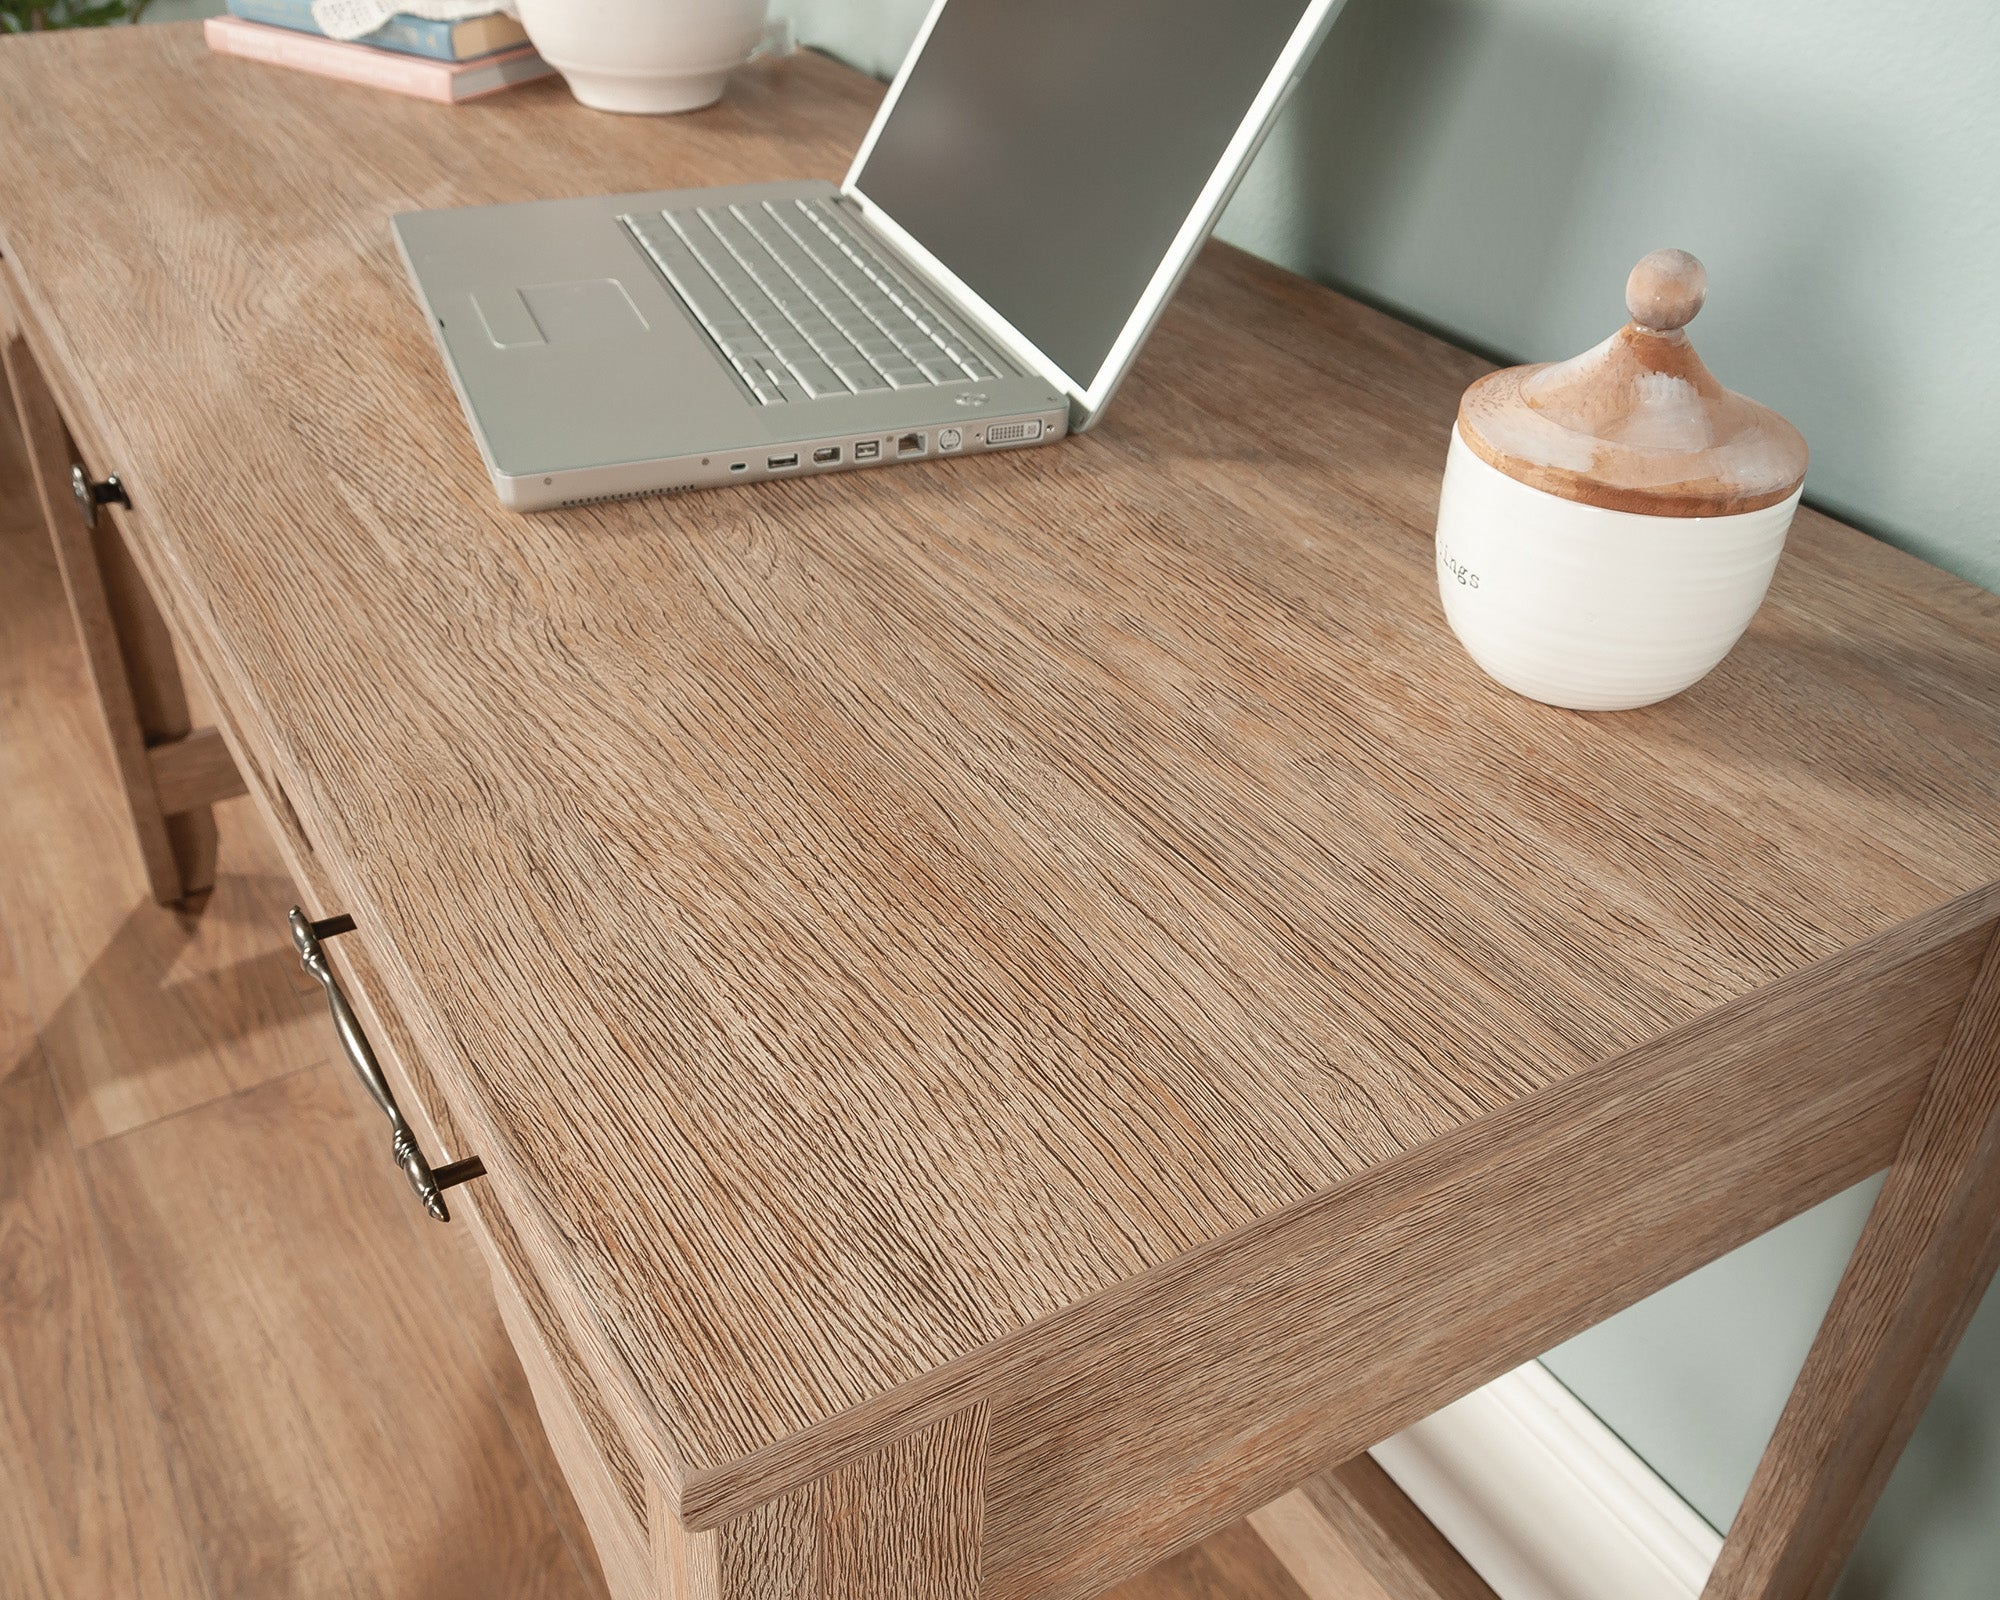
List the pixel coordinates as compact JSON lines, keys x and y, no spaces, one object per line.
{"x":409,"y":36}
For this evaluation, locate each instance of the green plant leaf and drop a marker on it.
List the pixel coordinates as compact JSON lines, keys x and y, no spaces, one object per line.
{"x":30,"y":16}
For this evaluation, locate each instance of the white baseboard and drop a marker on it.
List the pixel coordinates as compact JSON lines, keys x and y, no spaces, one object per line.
{"x":1545,"y":1502}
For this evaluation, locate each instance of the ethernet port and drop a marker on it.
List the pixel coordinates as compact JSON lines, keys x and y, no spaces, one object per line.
{"x":910,"y":444}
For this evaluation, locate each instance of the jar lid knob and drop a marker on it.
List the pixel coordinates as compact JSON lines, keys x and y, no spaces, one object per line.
{"x":1665,"y":290}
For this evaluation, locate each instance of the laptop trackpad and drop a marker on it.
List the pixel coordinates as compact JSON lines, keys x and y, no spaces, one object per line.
{"x":558,"y":313}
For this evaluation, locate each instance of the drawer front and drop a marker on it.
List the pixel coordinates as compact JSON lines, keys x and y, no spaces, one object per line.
{"x":602,"y":1470}
{"x":590,"y":1444}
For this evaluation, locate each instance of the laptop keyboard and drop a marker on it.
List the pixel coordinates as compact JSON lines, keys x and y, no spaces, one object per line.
{"x":801,"y":305}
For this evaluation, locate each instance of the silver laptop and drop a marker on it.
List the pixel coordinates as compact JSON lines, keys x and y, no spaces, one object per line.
{"x":1033,"y":188}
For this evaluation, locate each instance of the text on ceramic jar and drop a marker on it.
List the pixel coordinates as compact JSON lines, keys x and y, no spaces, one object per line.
{"x":1457,"y":568}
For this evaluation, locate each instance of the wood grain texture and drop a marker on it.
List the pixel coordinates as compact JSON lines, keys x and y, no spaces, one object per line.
{"x":1917,"y":1275}
{"x":86,"y":1503}
{"x":585,"y":1473}
{"x":253,"y":1237}
{"x":87,"y":1507}
{"x":17,"y":1029}
{"x":576,"y":1452}
{"x":193,"y":771}
{"x":874,"y":927}
{"x":18,"y":503}
{"x":616,"y":1534}
{"x":1235,"y":1565}
{"x":459,"y":1273}
{"x":152,"y":670}
{"x":58,"y":796}
{"x":143,"y":1010}
{"x":1177,"y":1403}
{"x":1306,"y":1546}
{"x":487,"y":1289}
{"x":50,"y":456}
{"x":903,"y":1521}
{"x":129,"y":652}
{"x":595,"y":1458}
{"x":1354,"y":1518}
{"x":588,"y":1461}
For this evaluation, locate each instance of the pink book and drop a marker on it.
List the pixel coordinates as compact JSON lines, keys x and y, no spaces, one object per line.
{"x":447,"y":81}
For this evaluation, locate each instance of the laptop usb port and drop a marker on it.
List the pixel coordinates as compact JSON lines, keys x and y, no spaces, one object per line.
{"x":826,"y":454}
{"x":868,"y":450}
{"x":774,"y":463}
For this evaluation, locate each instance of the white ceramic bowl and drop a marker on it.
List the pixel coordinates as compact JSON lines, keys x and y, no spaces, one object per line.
{"x":644,"y":55}
{"x":1588,"y":608}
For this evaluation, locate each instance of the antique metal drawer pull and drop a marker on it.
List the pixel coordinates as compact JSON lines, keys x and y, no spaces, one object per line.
{"x":89,"y":496}
{"x":430,"y":1183}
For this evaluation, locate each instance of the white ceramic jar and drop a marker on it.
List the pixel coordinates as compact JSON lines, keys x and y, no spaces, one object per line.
{"x":1589,"y":608}
{"x":1609,"y":525}
{"x":645,"y":56}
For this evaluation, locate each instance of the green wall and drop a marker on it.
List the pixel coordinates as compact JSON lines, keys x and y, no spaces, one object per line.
{"x":1492,"y":168}
{"x":1695,"y":1377}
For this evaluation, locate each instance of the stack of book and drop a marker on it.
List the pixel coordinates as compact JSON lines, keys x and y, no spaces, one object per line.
{"x":447,"y":61}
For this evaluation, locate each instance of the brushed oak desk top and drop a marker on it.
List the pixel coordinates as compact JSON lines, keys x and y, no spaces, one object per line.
{"x":1064,"y":937}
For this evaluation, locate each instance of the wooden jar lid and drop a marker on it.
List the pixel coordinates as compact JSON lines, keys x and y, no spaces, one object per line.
{"x":1638,"y":423}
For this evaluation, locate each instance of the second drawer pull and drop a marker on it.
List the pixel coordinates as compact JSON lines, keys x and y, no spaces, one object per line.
{"x":89,"y":496}
{"x":429,"y":1182}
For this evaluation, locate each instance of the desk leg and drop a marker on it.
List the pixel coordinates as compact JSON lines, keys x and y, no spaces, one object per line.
{"x":1918,"y":1272}
{"x":902,"y":1524}
{"x":169,"y":772}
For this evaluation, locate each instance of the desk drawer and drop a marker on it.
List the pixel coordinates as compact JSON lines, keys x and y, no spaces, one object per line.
{"x":140,"y":607}
{"x":599,"y":1464}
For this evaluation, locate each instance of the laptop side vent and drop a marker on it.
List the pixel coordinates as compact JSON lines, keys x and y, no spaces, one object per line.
{"x":630,"y":494}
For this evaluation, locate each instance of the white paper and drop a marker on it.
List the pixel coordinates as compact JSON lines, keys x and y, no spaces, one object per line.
{"x":350,"y":19}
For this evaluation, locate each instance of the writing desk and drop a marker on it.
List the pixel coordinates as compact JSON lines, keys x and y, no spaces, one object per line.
{"x":1016,"y":1008}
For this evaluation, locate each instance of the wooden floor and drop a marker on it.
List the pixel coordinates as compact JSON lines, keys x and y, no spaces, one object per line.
{"x":234,"y":1359}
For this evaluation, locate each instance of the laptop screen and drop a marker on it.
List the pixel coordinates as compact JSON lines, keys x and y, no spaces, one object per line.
{"x":1047,"y":151}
